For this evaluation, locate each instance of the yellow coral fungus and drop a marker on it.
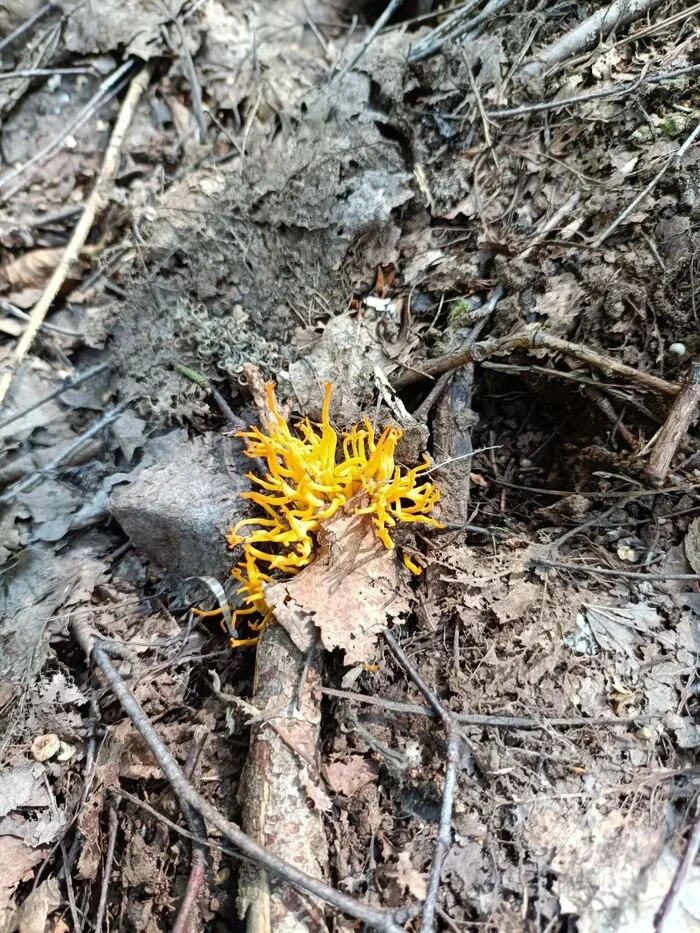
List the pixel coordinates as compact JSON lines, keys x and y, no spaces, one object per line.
{"x":308,"y":480}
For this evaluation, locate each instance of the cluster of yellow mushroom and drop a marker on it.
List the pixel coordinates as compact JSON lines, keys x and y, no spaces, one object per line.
{"x":312,"y":473}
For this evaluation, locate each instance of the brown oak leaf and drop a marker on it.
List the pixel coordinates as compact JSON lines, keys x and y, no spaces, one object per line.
{"x":351,"y":592}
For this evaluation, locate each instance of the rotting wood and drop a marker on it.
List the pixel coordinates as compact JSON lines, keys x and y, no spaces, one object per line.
{"x":683,"y":412}
{"x":281,"y":766}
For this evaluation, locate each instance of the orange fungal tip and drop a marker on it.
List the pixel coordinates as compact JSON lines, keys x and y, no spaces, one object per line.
{"x":306,"y":484}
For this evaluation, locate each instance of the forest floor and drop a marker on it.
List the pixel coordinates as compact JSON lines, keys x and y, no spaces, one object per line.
{"x":478,"y":223}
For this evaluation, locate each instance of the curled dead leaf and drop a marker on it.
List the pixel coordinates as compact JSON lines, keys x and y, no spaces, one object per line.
{"x":35,"y":268}
{"x":349,"y":777}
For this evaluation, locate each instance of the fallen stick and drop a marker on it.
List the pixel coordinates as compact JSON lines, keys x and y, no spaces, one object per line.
{"x":455,"y":744}
{"x":676,"y":157}
{"x":274,"y":793}
{"x":533,"y":337}
{"x":384,"y":920}
{"x":95,"y":203}
{"x":683,"y":412}
{"x":587,"y":33}
{"x":664,"y":913}
{"x":455,"y":27}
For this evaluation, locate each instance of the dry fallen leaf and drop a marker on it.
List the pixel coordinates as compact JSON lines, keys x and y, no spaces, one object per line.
{"x":35,"y":268}
{"x":349,"y":777}
{"x":410,"y":879}
{"x":351,"y":593}
{"x":32,"y":914}
{"x":17,"y":859}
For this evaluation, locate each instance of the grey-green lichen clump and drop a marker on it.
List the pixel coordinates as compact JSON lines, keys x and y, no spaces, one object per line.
{"x":223,"y":340}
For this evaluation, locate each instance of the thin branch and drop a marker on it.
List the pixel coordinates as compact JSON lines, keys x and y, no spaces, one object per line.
{"x":95,"y":204}
{"x":107,"y":870}
{"x":674,"y":159}
{"x":71,"y":383}
{"x":473,"y":719}
{"x":195,"y":87}
{"x":49,"y":328}
{"x":459,"y":27}
{"x":686,"y":863}
{"x":101,"y":96}
{"x":619,"y":91}
{"x":45,"y":73}
{"x":610,"y":572}
{"x":30,"y":481}
{"x":380,"y":919}
{"x":26,"y":25}
{"x":533,"y":336}
{"x":389,"y":11}
{"x":454,"y":746}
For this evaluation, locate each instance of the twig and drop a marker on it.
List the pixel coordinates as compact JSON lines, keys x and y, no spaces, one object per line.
{"x":454,"y":744}
{"x":30,"y":481}
{"x":460,"y":27}
{"x":473,"y":719}
{"x":534,"y":337}
{"x":658,"y":27}
{"x":620,"y":91}
{"x":686,"y":863}
{"x":45,"y":73}
{"x":199,"y":849}
{"x":71,"y":383}
{"x":49,"y":328}
{"x":382,"y":920}
{"x":479,"y":103}
{"x":442,"y":33}
{"x":610,"y":572}
{"x":107,"y":870}
{"x":675,"y":158}
{"x":111,"y":83}
{"x":389,"y":11}
{"x":95,"y":203}
{"x":26,"y":25}
{"x":195,"y":87}
{"x":549,"y":225}
{"x":602,"y":22}
{"x":683,"y":412}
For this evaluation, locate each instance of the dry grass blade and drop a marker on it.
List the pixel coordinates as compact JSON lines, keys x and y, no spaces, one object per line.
{"x":95,"y":203}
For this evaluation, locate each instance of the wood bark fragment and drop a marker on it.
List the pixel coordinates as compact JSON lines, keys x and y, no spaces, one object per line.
{"x":599,"y":24}
{"x":279,"y":778}
{"x":683,"y":412}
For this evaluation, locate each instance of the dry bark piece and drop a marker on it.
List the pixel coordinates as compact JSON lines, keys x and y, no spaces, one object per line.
{"x":351,"y":593}
{"x":279,"y":780}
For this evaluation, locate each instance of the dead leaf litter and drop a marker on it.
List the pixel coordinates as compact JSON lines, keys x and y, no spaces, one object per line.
{"x":483,"y":234}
